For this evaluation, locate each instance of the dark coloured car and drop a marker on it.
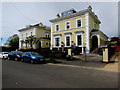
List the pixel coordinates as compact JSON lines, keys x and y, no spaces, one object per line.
{"x":15,"y":55}
{"x":33,"y":57}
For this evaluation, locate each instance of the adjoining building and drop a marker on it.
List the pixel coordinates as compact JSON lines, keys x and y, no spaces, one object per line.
{"x":78,"y":29}
{"x":34,"y":36}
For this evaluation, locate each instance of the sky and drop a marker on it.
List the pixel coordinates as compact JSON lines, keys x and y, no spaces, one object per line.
{"x":16,"y":15}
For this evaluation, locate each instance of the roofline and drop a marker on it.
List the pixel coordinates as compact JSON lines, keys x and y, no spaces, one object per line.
{"x":104,"y":34}
{"x":75,"y":14}
{"x":33,"y":26}
{"x":26,"y":28}
{"x":101,"y":32}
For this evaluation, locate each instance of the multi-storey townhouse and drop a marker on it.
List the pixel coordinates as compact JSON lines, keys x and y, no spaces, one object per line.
{"x":34,"y":36}
{"x":78,"y":29}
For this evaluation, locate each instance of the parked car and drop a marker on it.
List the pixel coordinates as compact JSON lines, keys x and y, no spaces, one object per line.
{"x":4,"y":55}
{"x":15,"y":55}
{"x":33,"y":57}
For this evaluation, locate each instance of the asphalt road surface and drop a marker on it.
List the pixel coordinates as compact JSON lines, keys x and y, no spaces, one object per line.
{"x":16,"y":74}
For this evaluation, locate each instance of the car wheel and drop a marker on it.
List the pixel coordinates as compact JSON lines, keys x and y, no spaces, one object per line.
{"x":32,"y":62}
{"x":16,"y":58}
{"x":8,"y":58}
{"x":22,"y":59}
{"x":3,"y":58}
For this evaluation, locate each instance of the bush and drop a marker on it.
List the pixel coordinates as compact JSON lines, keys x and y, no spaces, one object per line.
{"x":69,"y":58}
{"x":54,"y":61}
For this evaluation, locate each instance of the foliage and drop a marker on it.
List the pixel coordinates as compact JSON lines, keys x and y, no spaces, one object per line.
{"x":31,"y":40}
{"x":52,"y":60}
{"x":12,"y":37}
{"x":14,"y":43}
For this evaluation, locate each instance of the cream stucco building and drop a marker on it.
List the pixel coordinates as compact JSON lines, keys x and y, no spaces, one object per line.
{"x":77,"y":28}
{"x":34,"y":36}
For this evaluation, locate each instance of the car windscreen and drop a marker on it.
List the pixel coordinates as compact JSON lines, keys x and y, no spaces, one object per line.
{"x":19,"y":53}
{"x":5,"y":53}
{"x":35,"y":54}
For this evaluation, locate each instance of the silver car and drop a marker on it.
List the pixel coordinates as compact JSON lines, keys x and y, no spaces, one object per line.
{"x":4,"y":55}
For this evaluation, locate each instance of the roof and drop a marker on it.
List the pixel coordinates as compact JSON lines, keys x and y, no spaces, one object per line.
{"x":98,"y":31}
{"x":76,"y":14}
{"x":33,"y":26}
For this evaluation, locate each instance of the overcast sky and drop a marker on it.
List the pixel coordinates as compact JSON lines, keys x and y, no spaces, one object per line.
{"x":17,"y":15}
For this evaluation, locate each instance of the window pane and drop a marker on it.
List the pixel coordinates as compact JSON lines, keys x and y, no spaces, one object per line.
{"x":78,"y":23}
{"x":68,"y":41}
{"x":68,"y":25}
{"x":57,"y":27}
{"x":26,"y":34}
{"x":57,"y":41}
{"x":79,"y":41}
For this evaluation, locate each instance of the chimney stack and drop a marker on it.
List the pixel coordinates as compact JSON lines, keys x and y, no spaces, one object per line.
{"x":90,"y":8}
{"x":40,"y":24}
{"x":57,"y":16}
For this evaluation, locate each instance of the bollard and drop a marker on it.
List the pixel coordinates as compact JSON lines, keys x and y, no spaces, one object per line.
{"x":70,"y":52}
{"x":105,"y":54}
{"x":69,"y":56}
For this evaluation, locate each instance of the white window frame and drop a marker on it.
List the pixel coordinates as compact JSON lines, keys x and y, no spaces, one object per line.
{"x":26,"y":34}
{"x":31,"y":33}
{"x":56,"y":28}
{"x":21,"y":35}
{"x":77,"y":39}
{"x":66,"y":25}
{"x":77,"y":23}
{"x":65,"y":40}
{"x":55,"y":41}
{"x":47,"y":34}
{"x":46,"y":44}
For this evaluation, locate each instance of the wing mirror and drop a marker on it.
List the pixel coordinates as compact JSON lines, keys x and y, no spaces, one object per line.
{"x":29,"y":55}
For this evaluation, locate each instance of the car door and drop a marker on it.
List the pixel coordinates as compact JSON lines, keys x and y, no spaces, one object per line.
{"x":11,"y":55}
{"x":1,"y":55}
{"x":26,"y":57}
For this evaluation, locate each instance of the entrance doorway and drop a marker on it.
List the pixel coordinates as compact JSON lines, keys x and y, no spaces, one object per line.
{"x":94,"y":42}
{"x":40,"y":45}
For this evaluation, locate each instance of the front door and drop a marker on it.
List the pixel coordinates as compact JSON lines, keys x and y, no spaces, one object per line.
{"x":40,"y":44}
{"x":94,"y":42}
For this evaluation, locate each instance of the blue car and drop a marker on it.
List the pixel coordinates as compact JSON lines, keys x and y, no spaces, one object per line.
{"x":32,"y":57}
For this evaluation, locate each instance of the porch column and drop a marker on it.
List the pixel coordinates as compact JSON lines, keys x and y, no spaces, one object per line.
{"x":98,"y":40}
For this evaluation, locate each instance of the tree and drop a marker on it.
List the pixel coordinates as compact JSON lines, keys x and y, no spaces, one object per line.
{"x":31,"y":40}
{"x":14,"y":42}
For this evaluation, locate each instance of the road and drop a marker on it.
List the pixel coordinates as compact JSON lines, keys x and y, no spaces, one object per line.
{"x":17,"y":74}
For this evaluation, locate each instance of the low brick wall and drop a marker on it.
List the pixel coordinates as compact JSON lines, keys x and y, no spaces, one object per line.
{"x":117,"y":48}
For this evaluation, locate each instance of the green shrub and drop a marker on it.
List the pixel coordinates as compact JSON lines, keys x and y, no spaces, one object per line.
{"x":52,"y":60}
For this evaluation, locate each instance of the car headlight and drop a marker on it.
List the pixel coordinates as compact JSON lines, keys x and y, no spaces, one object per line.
{"x":18,"y":55}
{"x":33,"y":57}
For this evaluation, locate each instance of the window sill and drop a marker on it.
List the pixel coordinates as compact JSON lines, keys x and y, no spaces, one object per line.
{"x":79,"y":27}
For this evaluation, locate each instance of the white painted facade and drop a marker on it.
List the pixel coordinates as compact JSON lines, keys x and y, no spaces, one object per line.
{"x":87,"y":36}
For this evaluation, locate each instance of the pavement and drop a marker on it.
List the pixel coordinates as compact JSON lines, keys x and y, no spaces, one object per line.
{"x":113,"y":66}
